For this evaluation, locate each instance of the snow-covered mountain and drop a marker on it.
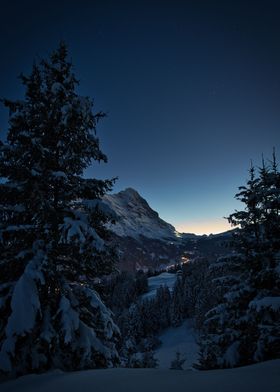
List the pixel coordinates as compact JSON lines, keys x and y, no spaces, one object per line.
{"x":135,"y":218}
{"x":145,"y":241}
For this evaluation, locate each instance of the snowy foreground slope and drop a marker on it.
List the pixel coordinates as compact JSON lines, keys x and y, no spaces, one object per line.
{"x":180,"y":339}
{"x":263,"y":377}
{"x":174,"y":339}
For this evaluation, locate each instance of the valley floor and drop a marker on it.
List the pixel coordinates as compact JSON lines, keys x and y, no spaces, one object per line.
{"x":257,"y":378}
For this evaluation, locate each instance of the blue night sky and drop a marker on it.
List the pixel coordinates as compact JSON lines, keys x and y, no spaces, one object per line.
{"x":191,"y":88}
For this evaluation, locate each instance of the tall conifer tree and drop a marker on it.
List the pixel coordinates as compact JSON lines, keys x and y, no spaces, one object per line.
{"x":53,"y":240}
{"x":245,"y":327}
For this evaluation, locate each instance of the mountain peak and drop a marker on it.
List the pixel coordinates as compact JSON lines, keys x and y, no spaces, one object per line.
{"x":130,"y":190}
{"x":130,"y":193}
{"x":136,"y":218}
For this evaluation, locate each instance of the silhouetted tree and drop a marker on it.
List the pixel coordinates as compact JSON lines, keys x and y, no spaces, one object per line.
{"x":52,"y":229}
{"x":244,"y":327}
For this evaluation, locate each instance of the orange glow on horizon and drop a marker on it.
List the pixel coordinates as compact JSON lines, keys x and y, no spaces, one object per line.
{"x":213,"y":226}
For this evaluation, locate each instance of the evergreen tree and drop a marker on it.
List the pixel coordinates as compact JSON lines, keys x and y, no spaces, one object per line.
{"x":53,"y":239}
{"x":162,"y":307}
{"x":148,"y":360}
{"x":178,"y":362}
{"x":178,"y":304}
{"x":199,"y":292}
{"x":244,"y":327}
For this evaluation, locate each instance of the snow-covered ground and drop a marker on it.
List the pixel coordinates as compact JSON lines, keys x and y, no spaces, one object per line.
{"x":164,"y":279}
{"x":181,"y":339}
{"x":257,"y":378}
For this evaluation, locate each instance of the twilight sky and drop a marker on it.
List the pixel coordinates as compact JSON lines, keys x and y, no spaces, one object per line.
{"x":191,"y":88}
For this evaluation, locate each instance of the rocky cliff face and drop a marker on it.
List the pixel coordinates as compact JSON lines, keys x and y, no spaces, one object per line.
{"x":145,"y":241}
{"x":142,"y":237}
{"x":136,"y":218}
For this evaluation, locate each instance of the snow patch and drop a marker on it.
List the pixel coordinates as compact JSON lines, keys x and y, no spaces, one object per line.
{"x":154,"y":283}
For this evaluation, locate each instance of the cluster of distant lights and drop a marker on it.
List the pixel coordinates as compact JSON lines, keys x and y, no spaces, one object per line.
{"x":184,"y":260}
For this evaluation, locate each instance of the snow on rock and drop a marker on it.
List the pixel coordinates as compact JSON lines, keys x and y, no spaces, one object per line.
{"x":257,"y":378}
{"x":180,"y":339}
{"x":135,"y":217}
{"x":93,"y":204}
{"x":164,"y":279}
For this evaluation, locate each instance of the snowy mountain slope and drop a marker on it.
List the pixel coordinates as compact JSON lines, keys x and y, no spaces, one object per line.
{"x":136,"y":218}
{"x":257,"y":378}
{"x":146,"y":253}
{"x":145,"y":241}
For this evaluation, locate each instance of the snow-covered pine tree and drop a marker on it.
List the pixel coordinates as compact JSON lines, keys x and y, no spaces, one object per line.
{"x":149,"y":360}
{"x":245,"y":327}
{"x":53,"y":239}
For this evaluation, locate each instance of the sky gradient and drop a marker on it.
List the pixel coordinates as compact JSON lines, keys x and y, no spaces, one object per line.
{"x":191,"y":89}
